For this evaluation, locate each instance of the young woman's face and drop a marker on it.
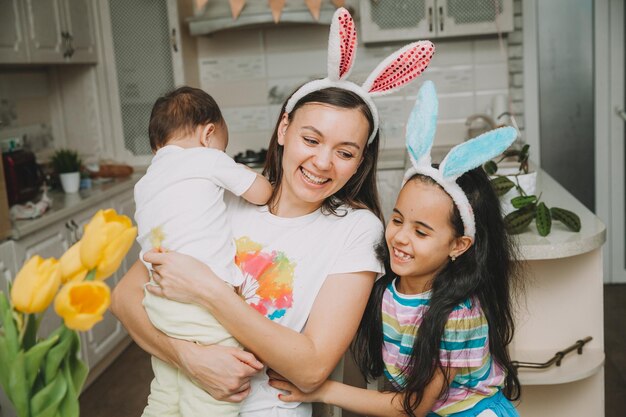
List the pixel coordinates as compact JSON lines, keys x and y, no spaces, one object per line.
{"x":323,"y":147}
{"x":419,"y":235}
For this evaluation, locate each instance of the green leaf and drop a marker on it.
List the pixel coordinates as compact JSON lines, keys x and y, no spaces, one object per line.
{"x":56,"y":354}
{"x":69,"y":407}
{"x":46,"y":402}
{"x":4,"y":364}
{"x":517,"y":221}
{"x":5,"y":308}
{"x":490,"y":167}
{"x":10,"y":331}
{"x":78,"y":368}
{"x":569,"y":219}
{"x":523,"y":201}
{"x":18,"y":390}
{"x":502,"y":185}
{"x":34,"y":357}
{"x":543,"y":220}
{"x":30,"y":334}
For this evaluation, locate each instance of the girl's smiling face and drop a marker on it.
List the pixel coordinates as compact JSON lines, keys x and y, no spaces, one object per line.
{"x":420,"y":235}
{"x":323,"y":147}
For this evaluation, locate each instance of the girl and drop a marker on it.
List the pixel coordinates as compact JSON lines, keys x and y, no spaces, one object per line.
{"x":308,"y":256}
{"x":439,"y":325}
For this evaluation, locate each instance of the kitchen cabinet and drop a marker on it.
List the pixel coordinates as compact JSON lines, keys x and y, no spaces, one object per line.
{"x":409,"y":20}
{"x":60,"y":31}
{"x":388,"y":183}
{"x":12,"y":42}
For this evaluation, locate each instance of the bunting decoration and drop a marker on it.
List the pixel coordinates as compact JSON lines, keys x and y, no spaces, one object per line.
{"x":200,"y":4}
{"x":236,"y":6}
{"x":339,"y":3}
{"x":277,"y":9}
{"x":314,"y":8}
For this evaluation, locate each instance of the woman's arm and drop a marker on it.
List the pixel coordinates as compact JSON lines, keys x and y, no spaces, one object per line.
{"x":364,"y":401}
{"x":305,"y":358}
{"x":222,"y":371}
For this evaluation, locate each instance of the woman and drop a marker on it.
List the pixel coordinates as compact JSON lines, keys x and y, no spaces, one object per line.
{"x":309,"y":255}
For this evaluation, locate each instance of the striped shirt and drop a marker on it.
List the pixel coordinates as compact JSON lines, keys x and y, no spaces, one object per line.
{"x":464,"y":346}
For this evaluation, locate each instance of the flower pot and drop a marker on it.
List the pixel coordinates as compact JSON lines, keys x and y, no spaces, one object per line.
{"x":527,"y":182}
{"x":70,"y":182}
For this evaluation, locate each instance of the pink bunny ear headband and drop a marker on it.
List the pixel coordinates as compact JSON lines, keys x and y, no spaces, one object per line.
{"x":392,"y":73}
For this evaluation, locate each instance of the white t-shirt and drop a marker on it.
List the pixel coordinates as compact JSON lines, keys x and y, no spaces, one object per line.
{"x":182,"y":193}
{"x":285,"y":262}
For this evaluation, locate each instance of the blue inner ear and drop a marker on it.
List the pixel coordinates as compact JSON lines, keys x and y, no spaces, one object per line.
{"x":422,"y":123}
{"x":474,"y":153}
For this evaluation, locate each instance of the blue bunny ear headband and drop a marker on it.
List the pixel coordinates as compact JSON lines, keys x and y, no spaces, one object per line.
{"x":420,"y":132}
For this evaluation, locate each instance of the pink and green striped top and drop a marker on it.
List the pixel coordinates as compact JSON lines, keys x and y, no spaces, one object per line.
{"x":465,"y":346}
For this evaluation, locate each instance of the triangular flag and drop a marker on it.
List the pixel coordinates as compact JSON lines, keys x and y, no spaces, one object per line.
{"x":314,"y":8}
{"x":200,"y":4}
{"x":236,"y":6}
{"x":277,"y":8}
{"x":339,"y":3}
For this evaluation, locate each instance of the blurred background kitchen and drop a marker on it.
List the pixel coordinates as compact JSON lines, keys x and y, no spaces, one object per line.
{"x":83,"y":75}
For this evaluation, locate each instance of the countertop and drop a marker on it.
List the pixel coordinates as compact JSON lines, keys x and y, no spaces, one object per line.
{"x":65,"y":205}
{"x":561,"y":242}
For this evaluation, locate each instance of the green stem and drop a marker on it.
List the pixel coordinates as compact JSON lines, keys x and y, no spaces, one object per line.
{"x":91,"y":275}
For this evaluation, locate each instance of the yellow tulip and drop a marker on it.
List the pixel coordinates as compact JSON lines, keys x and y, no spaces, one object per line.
{"x":36,"y":284}
{"x":72,"y":268}
{"x":82,"y":304}
{"x":107,"y":239}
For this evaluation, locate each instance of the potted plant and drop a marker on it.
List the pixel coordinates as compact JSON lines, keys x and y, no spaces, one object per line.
{"x":516,"y":188}
{"x":67,"y":164}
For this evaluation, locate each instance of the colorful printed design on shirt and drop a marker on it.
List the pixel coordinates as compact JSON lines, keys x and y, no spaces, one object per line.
{"x":268,"y":278}
{"x":464,"y":346}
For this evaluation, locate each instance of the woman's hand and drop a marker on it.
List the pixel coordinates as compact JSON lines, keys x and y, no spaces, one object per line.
{"x":294,"y":394}
{"x":182,"y":278}
{"x":223,"y":372}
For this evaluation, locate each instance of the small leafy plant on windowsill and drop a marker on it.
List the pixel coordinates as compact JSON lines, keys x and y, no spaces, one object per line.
{"x":528,"y":207}
{"x":65,"y":161}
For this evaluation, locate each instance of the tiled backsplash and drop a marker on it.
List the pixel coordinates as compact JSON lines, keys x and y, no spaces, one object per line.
{"x":251,"y":72}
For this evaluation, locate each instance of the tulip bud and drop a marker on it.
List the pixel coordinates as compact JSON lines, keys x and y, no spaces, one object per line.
{"x":72,"y":268}
{"x":36,"y":284}
{"x":82,"y":304}
{"x":107,"y":239}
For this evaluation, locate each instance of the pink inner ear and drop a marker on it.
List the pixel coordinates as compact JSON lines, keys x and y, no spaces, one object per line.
{"x":404,"y":68}
{"x":347,"y":36}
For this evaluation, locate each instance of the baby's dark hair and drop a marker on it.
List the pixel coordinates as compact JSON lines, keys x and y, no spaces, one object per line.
{"x":180,"y":112}
{"x":486,"y":272}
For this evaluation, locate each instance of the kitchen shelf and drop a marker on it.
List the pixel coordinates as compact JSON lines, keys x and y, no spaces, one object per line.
{"x":574,"y":367}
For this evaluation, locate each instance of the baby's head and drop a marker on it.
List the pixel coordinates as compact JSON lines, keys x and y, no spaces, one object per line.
{"x":188,"y":117}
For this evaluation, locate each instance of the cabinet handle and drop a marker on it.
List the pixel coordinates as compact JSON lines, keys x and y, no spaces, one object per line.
{"x":70,"y":50}
{"x":441,"y":18}
{"x":621,"y":113}
{"x":65,"y":43}
{"x":173,"y":40}
{"x":430,"y":19}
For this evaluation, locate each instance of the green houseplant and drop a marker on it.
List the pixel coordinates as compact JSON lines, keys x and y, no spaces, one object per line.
{"x":66,"y":163}
{"x":526,"y":207}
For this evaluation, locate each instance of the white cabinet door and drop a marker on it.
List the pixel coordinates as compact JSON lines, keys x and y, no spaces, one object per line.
{"x":45,"y":38}
{"x":396,"y":20}
{"x":12,"y":42}
{"x":79,"y":24}
{"x":473,"y":17}
{"x":106,"y":335}
{"x":50,"y":242}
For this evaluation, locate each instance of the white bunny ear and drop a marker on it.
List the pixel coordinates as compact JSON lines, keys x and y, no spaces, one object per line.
{"x":399,"y":68}
{"x":475,"y":152}
{"x":341,"y":45}
{"x":421,"y":126}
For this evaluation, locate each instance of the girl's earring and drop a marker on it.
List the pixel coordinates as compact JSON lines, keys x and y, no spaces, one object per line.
{"x":453,"y":258}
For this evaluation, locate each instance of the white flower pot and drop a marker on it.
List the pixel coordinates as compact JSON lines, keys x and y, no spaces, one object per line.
{"x":70,"y":182}
{"x":527,"y":182}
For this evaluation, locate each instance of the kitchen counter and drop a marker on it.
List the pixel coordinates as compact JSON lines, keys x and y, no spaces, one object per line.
{"x":65,"y":205}
{"x":561,"y":242}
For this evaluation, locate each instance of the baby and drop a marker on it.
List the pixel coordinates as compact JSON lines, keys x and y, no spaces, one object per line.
{"x":180,"y":207}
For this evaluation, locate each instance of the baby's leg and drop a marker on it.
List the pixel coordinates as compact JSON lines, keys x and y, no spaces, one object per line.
{"x":164,"y":398}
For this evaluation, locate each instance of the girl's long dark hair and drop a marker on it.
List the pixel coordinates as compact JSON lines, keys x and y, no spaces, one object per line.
{"x":360,"y":191}
{"x":485,"y":272}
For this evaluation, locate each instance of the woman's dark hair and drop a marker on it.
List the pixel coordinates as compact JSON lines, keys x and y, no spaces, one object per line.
{"x":360,"y":191}
{"x":485,"y":272}
{"x":180,"y":112}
